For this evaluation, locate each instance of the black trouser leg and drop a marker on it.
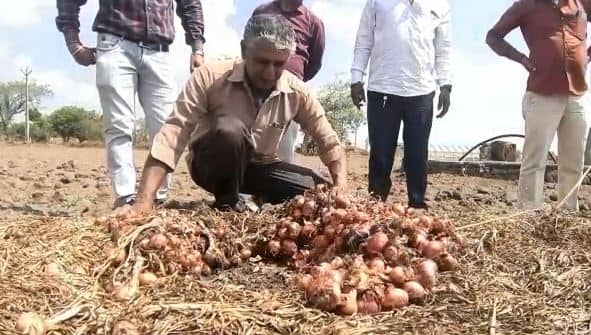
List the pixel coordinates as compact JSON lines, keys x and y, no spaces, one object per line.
{"x":417,"y":118}
{"x":280,"y":181}
{"x":220,"y":159}
{"x":384,"y":113}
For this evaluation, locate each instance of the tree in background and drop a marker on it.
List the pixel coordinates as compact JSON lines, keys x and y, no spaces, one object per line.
{"x":76,"y":122}
{"x":12,"y":99}
{"x":344,"y":117}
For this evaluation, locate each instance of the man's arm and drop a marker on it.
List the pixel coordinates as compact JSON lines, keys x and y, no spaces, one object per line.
{"x":587,"y":6}
{"x":316,"y":50}
{"x":312,"y":118}
{"x":170,"y":142}
{"x":363,"y":42}
{"x":68,"y":23}
{"x":443,"y":49}
{"x":191,"y":14}
{"x":495,"y":38}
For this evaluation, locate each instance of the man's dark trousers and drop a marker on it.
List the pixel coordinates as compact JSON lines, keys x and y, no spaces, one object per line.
{"x":385,"y":112}
{"x":221,"y":165}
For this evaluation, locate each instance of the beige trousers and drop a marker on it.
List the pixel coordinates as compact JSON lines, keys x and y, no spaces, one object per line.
{"x":544,"y":116}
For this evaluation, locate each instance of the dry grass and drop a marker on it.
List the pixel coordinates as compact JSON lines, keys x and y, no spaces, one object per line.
{"x":530,"y":275}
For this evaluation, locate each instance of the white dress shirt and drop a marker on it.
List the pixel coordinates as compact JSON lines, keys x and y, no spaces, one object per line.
{"x":409,"y":44}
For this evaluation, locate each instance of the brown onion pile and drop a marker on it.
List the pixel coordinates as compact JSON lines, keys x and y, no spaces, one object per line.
{"x":359,"y":255}
{"x":177,"y":247}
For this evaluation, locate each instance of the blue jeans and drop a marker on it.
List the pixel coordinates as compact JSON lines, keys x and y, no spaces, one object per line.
{"x":385,"y":112}
{"x":124,"y":70}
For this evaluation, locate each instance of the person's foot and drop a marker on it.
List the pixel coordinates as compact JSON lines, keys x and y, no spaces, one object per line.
{"x":159,"y":203}
{"x":122,"y":201}
{"x":238,"y":207}
{"x":422,"y":206}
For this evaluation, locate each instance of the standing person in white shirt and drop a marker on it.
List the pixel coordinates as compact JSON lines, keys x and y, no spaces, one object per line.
{"x":409,"y":44}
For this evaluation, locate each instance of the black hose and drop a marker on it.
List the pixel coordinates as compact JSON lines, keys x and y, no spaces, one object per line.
{"x":496,"y":138}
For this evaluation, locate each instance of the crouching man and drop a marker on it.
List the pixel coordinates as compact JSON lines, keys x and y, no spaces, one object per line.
{"x":232,"y":115}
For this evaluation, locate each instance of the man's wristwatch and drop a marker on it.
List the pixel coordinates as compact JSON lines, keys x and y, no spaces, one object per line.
{"x":199,"y":52}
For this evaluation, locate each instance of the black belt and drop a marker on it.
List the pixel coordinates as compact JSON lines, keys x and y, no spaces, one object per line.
{"x":146,"y":45}
{"x":152,"y":46}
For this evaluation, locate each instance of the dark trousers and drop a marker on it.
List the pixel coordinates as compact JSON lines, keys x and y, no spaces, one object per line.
{"x":385,"y":112}
{"x":221,"y":165}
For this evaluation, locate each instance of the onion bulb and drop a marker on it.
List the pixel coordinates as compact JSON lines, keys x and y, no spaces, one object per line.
{"x":125,"y":328}
{"x":296,"y":213}
{"x":308,"y":230}
{"x":348,"y":303}
{"x":158,"y":241}
{"x":433,"y":249}
{"x":398,"y":275}
{"x":391,"y":255}
{"x":339,"y":214}
{"x":395,"y":298}
{"x":321,"y":242}
{"x":31,"y":324}
{"x":399,"y":210}
{"x":415,"y":291}
{"x":376,"y":243}
{"x":116,"y":255}
{"x":341,"y":202}
{"x":427,"y":273}
{"x":303,"y":281}
{"x":293,"y":230}
{"x":245,"y":253}
{"x":298,"y":201}
{"x":309,"y":208}
{"x":53,"y":270}
{"x":147,"y":279}
{"x":337,"y":263}
{"x":206,"y":270}
{"x":368,"y":304}
{"x":359,"y":280}
{"x":125,"y":292}
{"x":447,"y":262}
{"x":361,"y":217}
{"x":274,"y":247}
{"x":376,"y":265}
{"x":288,"y":247}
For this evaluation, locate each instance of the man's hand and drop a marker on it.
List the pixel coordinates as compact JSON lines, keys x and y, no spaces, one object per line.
{"x":527,"y":64}
{"x":338,"y":172}
{"x":196,"y":61}
{"x":444,"y":100}
{"x":358,"y":94}
{"x":137,"y":210}
{"x":83,"y":55}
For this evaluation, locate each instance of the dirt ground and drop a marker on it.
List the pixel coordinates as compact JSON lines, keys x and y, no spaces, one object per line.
{"x":59,"y":180}
{"x":533,"y":271}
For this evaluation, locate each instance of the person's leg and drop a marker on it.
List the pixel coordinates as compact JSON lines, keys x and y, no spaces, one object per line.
{"x":218,"y":160}
{"x":280,"y":181}
{"x":572,"y":136}
{"x":287,"y":144}
{"x":383,"y":123}
{"x":417,"y":117}
{"x":542,"y":116}
{"x":116,"y":81}
{"x":157,"y":93}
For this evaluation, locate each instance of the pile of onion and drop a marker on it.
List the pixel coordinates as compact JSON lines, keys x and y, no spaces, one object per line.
{"x":361,"y":256}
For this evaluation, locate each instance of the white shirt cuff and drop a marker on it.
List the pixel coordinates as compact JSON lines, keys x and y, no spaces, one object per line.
{"x":356,"y":76}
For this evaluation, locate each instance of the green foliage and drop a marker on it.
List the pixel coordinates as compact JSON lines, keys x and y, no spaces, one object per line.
{"x":75,"y":122}
{"x":12,"y":99}
{"x":35,"y":115}
{"x":39,"y":130}
{"x":344,"y":117}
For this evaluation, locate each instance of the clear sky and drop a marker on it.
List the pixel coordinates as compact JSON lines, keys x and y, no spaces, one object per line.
{"x":486,"y":99}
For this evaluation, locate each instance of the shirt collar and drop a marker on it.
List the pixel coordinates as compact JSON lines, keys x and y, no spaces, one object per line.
{"x":297,"y":10}
{"x":238,"y":75}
